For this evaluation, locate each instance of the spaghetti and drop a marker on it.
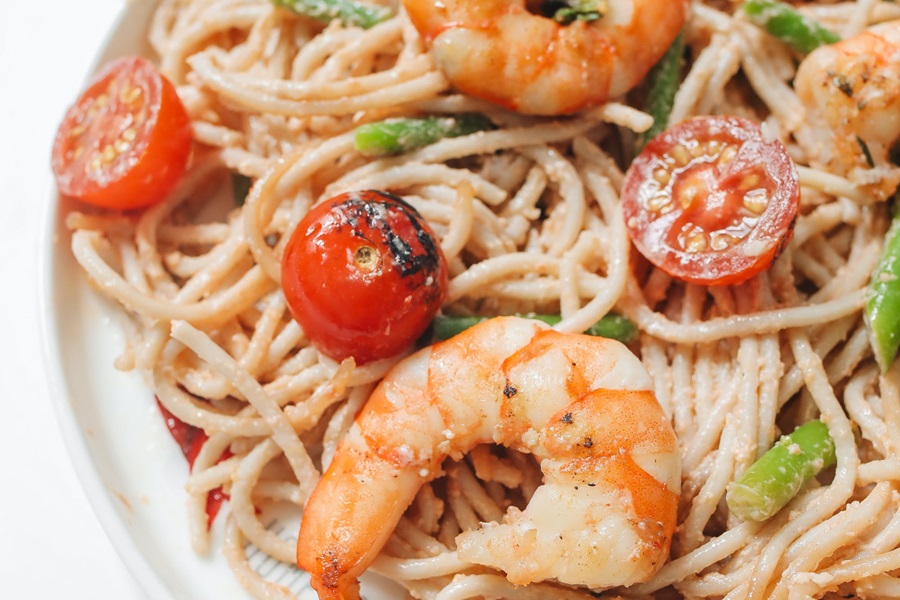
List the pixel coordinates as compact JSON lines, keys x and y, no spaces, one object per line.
{"x":528,"y":217}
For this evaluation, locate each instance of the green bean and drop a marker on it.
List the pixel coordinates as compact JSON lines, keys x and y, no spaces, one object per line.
{"x":883,"y":302}
{"x":395,"y":136}
{"x":774,"y":479}
{"x":664,"y":79}
{"x":794,"y":29}
{"x":349,"y":11}
{"x":611,"y":326}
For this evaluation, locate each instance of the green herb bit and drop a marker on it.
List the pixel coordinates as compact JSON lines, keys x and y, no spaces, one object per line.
{"x":395,"y":136}
{"x":864,"y":148}
{"x":664,"y":80}
{"x":793,"y":28}
{"x":773,"y":480}
{"x":350,"y":12}
{"x":611,"y":326}
{"x":569,"y":11}
{"x":240,"y":188}
{"x":883,"y":302}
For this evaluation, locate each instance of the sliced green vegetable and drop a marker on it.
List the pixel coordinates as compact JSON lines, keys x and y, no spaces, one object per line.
{"x":778,"y":475}
{"x":395,"y":136}
{"x":793,"y":28}
{"x":664,"y":79}
{"x":883,"y":303}
{"x":240,"y":188}
{"x":349,"y":11}
{"x":611,"y":326}
{"x":568,"y":11}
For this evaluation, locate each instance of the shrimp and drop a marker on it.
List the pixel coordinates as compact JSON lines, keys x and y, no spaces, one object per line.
{"x":606,"y":511}
{"x":851,"y":87}
{"x":499,"y":51}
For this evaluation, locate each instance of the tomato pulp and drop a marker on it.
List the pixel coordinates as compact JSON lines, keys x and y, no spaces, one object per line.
{"x":126,"y":141}
{"x":363,"y":275}
{"x":711,"y":200}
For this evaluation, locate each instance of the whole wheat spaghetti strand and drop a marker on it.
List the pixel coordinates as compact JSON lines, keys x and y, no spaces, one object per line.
{"x":822,"y":541}
{"x":697,"y":560}
{"x":233,"y":549}
{"x":473,"y":586}
{"x":282,"y":432}
{"x":217,"y":308}
{"x":848,"y":463}
{"x":762,"y":322}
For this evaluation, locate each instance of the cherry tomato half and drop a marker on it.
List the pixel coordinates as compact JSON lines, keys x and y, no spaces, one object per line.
{"x":363,"y":275}
{"x":126,"y":141}
{"x":711,"y":200}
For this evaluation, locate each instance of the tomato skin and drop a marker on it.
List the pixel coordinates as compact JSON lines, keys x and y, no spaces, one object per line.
{"x":363,"y":275}
{"x":711,"y":201}
{"x":126,"y":141}
{"x":191,"y":439}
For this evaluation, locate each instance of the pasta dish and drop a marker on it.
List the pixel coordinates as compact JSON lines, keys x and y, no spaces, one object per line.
{"x":576,"y":299}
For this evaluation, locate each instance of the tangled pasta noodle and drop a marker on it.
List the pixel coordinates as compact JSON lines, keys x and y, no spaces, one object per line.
{"x":527,"y":215}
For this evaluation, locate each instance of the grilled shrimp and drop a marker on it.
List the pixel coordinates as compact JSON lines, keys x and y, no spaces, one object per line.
{"x":499,"y":51}
{"x":852,"y":88}
{"x":582,"y":405}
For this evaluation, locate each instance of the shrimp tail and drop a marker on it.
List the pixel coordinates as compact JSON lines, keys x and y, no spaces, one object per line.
{"x":339,"y":514}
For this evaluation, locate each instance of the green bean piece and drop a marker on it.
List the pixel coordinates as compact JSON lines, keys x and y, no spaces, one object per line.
{"x":395,"y":136}
{"x":798,"y":31}
{"x":664,"y":79}
{"x":883,"y":301}
{"x":240,"y":188}
{"x":349,"y":11}
{"x":774,"y":479}
{"x":611,"y":326}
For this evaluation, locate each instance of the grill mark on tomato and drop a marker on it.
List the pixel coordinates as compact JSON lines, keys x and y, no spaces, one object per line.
{"x":409,"y":261}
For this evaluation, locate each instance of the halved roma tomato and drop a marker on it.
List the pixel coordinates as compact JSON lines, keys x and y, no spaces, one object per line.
{"x":126,"y":141}
{"x":711,"y":200}
{"x":363,"y":275}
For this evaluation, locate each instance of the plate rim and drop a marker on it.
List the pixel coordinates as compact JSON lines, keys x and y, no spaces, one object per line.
{"x":99,"y":496}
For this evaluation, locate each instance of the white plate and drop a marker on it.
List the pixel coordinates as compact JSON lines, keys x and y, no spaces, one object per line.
{"x":131,"y":469}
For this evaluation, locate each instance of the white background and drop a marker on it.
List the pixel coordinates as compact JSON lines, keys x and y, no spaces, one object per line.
{"x":51,"y":543}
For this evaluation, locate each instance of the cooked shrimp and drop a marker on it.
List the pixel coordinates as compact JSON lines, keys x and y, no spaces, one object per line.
{"x":582,"y":405}
{"x":852,"y":87}
{"x":499,"y":51}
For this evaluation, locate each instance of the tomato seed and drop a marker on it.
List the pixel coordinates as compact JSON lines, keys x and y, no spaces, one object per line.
{"x":696,"y":243}
{"x":130,"y":95}
{"x":722,"y":241}
{"x":756,"y":201}
{"x":658,"y":202}
{"x":109,"y":153}
{"x":662,"y":176}
{"x":727,"y":155}
{"x":750,"y":181}
{"x":681,"y":155}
